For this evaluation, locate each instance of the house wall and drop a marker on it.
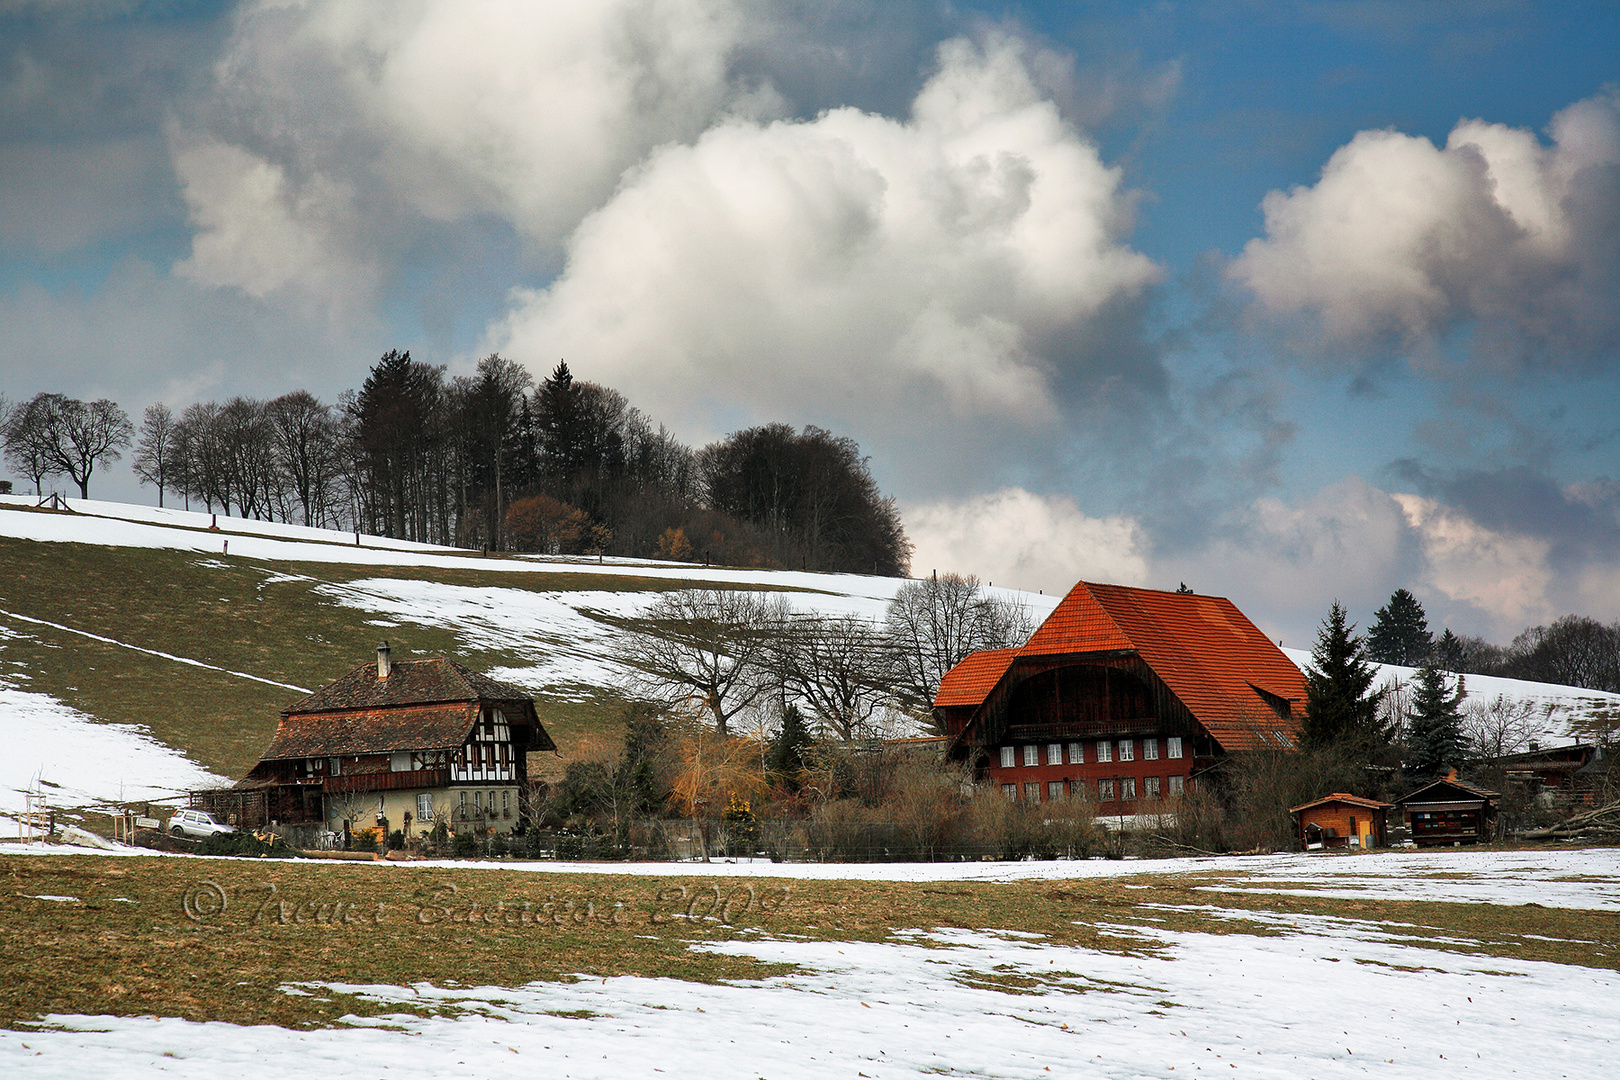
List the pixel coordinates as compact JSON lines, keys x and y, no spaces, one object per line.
{"x":1076,"y":766}
{"x":446,"y":802}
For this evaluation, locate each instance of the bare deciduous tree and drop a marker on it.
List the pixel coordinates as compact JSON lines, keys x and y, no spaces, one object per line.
{"x":154,"y":454}
{"x":705,"y":647}
{"x":1500,"y":726}
{"x":58,"y":434}
{"x":834,"y":666}
{"x":934,"y":623}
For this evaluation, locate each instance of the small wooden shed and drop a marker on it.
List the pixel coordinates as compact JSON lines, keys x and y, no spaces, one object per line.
{"x":1341,"y":821}
{"x":1449,"y":811}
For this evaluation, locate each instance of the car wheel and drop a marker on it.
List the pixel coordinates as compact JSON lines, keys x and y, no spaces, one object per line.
{"x":178,"y":831}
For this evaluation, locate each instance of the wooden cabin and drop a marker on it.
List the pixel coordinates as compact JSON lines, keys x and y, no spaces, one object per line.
{"x":1342,"y":821}
{"x":1449,"y":811}
{"x":1123,"y":696}
{"x":402,"y":744}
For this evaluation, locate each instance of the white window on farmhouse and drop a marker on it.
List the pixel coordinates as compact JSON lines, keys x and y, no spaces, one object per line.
{"x":1077,"y":755}
{"x":1105,"y":751}
{"x":1105,"y":791}
{"x":424,"y":807}
{"x":1007,"y":757}
{"x":1054,"y":791}
{"x":1010,"y":791}
{"x":1032,"y":754}
{"x":1032,"y":792}
{"x":1152,"y":783}
{"x":464,"y":805}
{"x":1150,"y":749}
{"x":506,"y":804}
{"x":1175,"y":785}
{"x":1173,"y":747}
{"x":1127,"y":749}
{"x":1054,"y":753}
{"x":1127,"y":788}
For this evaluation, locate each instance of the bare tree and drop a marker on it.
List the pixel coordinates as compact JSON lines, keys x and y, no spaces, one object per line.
{"x":934,"y":623}
{"x":705,"y":647}
{"x":1501,"y":726}
{"x":304,"y":434}
{"x":834,"y":665}
{"x":59,"y":434}
{"x":154,"y":454}
{"x":27,"y":439}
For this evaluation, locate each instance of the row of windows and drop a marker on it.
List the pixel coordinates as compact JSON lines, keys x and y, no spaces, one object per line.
{"x":1114,"y":789}
{"x":1102,"y":751}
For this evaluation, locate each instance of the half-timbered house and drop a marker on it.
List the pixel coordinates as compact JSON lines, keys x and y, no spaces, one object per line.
{"x":404,"y":744}
{"x":1122,"y":696}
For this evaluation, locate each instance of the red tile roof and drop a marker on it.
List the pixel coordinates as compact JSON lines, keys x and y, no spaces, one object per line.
{"x":1215,"y":661}
{"x":969,"y":682}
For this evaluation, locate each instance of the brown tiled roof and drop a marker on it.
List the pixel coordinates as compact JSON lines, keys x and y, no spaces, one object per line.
{"x":1341,"y":797}
{"x":1210,"y":656}
{"x":409,"y":682}
{"x":372,"y":731}
{"x":970,"y":681}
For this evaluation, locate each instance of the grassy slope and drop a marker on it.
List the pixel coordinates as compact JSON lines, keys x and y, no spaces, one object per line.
{"x":364,"y":924}
{"x":226,"y":611}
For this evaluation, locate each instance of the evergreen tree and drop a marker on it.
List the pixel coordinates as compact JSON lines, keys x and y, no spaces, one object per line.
{"x":1400,"y":633}
{"x":788,"y":749}
{"x":1340,"y":706}
{"x":1434,"y":734}
{"x":1451,"y":653}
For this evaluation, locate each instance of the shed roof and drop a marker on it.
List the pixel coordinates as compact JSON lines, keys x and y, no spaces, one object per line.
{"x":1232,"y":678}
{"x":1467,"y":791}
{"x":1341,"y":797}
{"x":410,"y":682}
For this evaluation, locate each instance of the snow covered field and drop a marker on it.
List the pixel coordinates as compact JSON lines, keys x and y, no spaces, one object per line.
{"x":1324,"y":996}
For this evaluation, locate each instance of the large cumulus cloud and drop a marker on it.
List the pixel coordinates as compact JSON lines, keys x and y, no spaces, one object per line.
{"x":1404,"y":241}
{"x":333,"y":134}
{"x":900,"y":275}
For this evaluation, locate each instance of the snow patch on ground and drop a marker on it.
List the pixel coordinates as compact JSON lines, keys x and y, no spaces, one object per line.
{"x":1322,"y":996}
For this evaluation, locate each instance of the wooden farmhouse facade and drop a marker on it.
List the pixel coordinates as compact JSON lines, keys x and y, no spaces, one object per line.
{"x":403,"y":744}
{"x":1123,"y":696}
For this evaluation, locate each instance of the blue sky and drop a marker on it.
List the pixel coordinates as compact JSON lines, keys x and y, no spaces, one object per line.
{"x":1289,"y":301}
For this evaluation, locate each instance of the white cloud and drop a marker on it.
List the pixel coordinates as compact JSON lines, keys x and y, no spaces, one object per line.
{"x":900,"y":272}
{"x":1402,"y":237}
{"x":334,"y":130}
{"x":1025,"y":541}
{"x":1505,"y":576}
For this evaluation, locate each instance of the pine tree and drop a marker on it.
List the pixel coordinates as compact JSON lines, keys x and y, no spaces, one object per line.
{"x":1400,"y":633}
{"x":1450,"y":654}
{"x":1340,"y":706}
{"x":789,"y":747}
{"x":1434,"y":735}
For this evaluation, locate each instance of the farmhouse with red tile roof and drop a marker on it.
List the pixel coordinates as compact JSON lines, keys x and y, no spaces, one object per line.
{"x":1122,"y":696}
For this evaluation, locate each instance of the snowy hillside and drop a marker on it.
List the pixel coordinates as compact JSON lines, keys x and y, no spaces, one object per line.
{"x":561,"y":637}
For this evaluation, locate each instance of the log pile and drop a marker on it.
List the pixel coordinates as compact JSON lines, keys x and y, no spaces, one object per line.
{"x":1602,"y":823}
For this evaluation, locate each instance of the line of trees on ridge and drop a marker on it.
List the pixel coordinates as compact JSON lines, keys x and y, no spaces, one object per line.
{"x":489,"y":461}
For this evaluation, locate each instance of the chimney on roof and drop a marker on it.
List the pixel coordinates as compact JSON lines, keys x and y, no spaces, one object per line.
{"x":384,"y":665}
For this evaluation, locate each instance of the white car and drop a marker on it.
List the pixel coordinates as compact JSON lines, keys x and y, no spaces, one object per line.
{"x":197,"y":823}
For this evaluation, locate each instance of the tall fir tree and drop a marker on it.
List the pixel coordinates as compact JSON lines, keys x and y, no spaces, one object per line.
{"x":1341,"y":707}
{"x":1400,"y":633}
{"x":1434,"y":734}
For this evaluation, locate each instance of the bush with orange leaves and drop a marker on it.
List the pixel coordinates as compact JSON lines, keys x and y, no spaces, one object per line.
{"x":542,"y":523}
